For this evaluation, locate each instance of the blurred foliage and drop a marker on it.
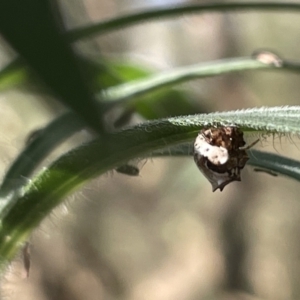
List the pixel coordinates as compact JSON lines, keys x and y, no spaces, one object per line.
{"x":104,"y":94}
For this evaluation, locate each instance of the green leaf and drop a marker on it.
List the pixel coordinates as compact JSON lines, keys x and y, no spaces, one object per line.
{"x":276,"y":163}
{"x":73,"y":169}
{"x":132,"y":90}
{"x":134,"y":18}
{"x":128,"y":95}
{"x":157,"y":104}
{"x":46,"y":140}
{"x":135,"y":94}
{"x":33,"y":29}
{"x":14,"y":74}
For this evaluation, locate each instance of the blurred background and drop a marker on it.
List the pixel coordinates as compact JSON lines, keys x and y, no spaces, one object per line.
{"x":164,"y":235}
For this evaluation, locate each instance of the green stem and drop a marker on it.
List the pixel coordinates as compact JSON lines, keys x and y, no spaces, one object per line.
{"x":273,"y":162}
{"x":131,"y":90}
{"x":143,"y":16}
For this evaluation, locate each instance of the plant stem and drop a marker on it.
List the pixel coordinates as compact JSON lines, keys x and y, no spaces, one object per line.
{"x":143,"y":16}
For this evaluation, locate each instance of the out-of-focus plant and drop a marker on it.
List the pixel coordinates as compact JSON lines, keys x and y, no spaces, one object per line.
{"x":51,"y":65}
